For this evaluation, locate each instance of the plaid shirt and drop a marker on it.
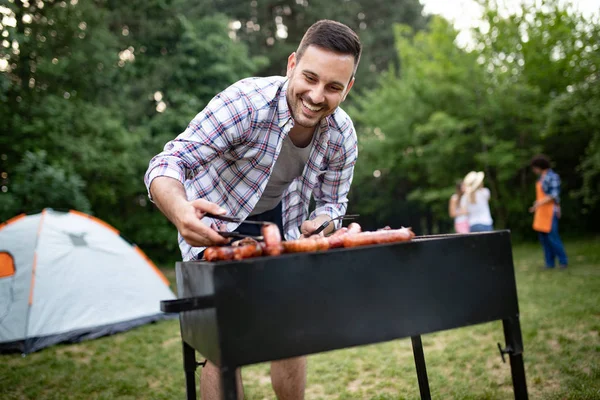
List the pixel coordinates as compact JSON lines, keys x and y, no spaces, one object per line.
{"x":227,"y":152}
{"x":551,"y":185}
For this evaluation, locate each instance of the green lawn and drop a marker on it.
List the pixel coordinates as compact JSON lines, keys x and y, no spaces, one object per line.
{"x":560,"y":313}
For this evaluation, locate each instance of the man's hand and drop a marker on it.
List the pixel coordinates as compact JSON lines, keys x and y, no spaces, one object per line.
{"x":194,"y":232}
{"x":309,"y":226}
{"x":169,"y":196}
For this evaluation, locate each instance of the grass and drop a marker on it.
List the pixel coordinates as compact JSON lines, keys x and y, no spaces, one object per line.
{"x":560,"y":313}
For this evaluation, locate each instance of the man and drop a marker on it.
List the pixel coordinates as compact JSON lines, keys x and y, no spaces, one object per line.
{"x":546,"y":209}
{"x":259,"y":150}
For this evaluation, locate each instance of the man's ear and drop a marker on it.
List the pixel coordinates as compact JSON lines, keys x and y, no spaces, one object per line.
{"x":348,"y":88}
{"x":291,"y":64}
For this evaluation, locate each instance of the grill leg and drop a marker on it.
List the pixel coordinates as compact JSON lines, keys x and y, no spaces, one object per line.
{"x":417,"y":346}
{"x":228,"y":383}
{"x":514,"y":341}
{"x":189,"y":366}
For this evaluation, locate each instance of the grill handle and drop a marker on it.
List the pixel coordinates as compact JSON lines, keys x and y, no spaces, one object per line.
{"x":187,"y":304}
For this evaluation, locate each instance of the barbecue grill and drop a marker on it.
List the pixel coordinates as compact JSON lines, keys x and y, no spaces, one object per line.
{"x":244,"y":312}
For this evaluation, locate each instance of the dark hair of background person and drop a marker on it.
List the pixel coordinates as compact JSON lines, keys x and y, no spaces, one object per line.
{"x":458,"y":187}
{"x":333,"y":36}
{"x":540,"y":161}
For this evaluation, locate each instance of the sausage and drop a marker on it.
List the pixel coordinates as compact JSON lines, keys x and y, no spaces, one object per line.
{"x":335,"y":239}
{"x":211,"y":253}
{"x":219,"y":253}
{"x":272,"y":238}
{"x":247,"y":251}
{"x":322,"y":243}
{"x":300,"y":246}
{"x":378,"y":237}
{"x":342,"y":231}
{"x":272,"y":245}
{"x":244,"y":241}
{"x":226,"y":253}
{"x":354,"y":228}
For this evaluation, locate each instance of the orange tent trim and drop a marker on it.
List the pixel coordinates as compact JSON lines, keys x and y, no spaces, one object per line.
{"x":154,"y":267}
{"x":10,"y":221}
{"x":97,"y":220}
{"x":34,"y":264}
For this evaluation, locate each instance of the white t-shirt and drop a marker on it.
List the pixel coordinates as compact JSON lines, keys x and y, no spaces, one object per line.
{"x":479,"y":212}
{"x":289,"y":165}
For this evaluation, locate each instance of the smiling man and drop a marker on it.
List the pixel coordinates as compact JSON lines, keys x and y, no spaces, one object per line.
{"x":259,"y":150}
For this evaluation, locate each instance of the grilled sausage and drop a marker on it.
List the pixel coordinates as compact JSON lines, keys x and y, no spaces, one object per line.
{"x":378,"y":237}
{"x":211,"y":254}
{"x":354,"y":228}
{"x":300,"y":246}
{"x":335,"y":239}
{"x":247,"y":251}
{"x":272,"y":239}
{"x":244,"y":241}
{"x":344,"y":237}
{"x":219,"y":253}
{"x":225,"y":253}
{"x":322,"y":243}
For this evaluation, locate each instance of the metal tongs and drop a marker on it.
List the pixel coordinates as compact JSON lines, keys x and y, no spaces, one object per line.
{"x":237,"y":220}
{"x":227,"y":218}
{"x":260,"y":238}
{"x":326,"y":223}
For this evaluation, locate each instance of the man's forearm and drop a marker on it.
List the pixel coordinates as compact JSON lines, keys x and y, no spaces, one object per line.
{"x":168,"y":193}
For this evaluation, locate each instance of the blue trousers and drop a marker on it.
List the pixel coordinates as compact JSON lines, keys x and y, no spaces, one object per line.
{"x":481,"y":228}
{"x":553,"y":246}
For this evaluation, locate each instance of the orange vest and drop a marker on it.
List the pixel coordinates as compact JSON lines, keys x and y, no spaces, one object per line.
{"x":542,"y":219}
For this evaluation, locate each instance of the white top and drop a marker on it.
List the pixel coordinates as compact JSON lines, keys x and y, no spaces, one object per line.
{"x":459,"y":206}
{"x":479,"y":212}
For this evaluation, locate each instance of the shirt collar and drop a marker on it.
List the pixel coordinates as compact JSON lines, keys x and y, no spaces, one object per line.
{"x":283,"y":109}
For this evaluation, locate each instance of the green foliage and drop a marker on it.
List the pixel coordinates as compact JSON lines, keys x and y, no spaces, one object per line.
{"x":576,"y":114}
{"x":40,"y":184}
{"x":83,"y":116}
{"x":488,"y":107}
{"x":372,"y":20}
{"x":590,"y":170}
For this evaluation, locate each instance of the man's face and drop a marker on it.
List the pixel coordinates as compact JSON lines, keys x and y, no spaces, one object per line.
{"x":536,"y":170}
{"x":318,"y":83}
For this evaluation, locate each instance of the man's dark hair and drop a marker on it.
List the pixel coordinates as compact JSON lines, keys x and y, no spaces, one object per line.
{"x":540,"y":161}
{"x":333,"y":36}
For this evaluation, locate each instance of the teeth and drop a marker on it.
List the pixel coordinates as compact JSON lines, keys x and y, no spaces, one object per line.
{"x":311,"y":108}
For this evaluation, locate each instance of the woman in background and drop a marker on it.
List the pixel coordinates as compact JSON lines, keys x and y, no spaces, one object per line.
{"x":476,"y":202}
{"x":461,"y":220}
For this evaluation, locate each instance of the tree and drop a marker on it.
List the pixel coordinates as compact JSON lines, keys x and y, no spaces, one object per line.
{"x":274,"y":29}
{"x":450,"y":110}
{"x":90,"y":93}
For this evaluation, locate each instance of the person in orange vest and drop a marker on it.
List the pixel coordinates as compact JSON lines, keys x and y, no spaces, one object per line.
{"x":546,"y":211}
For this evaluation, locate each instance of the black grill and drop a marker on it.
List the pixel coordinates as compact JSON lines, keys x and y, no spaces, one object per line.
{"x":250,"y":311}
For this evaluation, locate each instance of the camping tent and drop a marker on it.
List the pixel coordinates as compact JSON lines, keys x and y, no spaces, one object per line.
{"x":67,"y":277}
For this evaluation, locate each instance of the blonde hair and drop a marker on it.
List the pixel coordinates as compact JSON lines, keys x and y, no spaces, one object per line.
{"x":472,"y":194}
